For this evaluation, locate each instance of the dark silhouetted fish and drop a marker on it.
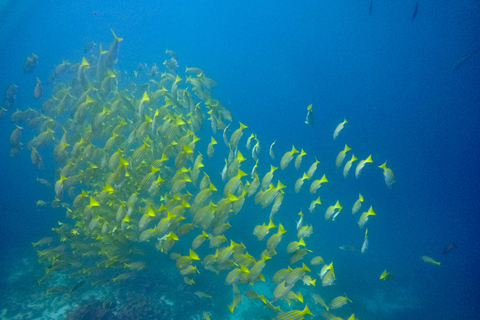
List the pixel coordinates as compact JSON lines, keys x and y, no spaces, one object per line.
{"x":75,"y":287}
{"x":414,"y":15}
{"x":449,"y":248}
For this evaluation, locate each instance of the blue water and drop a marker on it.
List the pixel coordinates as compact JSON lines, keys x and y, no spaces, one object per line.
{"x":390,"y":77}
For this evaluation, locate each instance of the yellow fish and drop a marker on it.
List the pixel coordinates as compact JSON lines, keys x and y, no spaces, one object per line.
{"x":430,"y":260}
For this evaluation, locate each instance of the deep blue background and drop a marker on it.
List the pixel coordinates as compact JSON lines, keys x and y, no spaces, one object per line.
{"x":390,"y":77}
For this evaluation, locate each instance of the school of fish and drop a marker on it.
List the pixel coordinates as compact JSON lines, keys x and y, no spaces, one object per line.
{"x":129,"y":173}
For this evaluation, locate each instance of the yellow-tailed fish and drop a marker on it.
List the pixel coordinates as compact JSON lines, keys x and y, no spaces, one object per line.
{"x":237,"y":298}
{"x":325,"y":269}
{"x":386,"y":275}
{"x":317,"y":183}
{"x":147,"y":234}
{"x":339,"y":302}
{"x":236,"y":135}
{"x":332,"y":211}
{"x":298,"y":255}
{"x":232,"y":185}
{"x":271,"y":152}
{"x":294,"y":296}
{"x":364,"y":217}
{"x":268,"y":177}
{"x":216,"y":241}
{"x":365,"y":243}
{"x":287,"y":157}
{"x":225,"y":253}
{"x":360,"y":166}
{"x":257,"y":268}
{"x":299,"y":183}
{"x":357,"y":204}
{"x":271,"y":194}
{"x":253,"y":187}
{"x":388,"y":174}
{"x":262,"y":230}
{"x":276,"y":204}
{"x":225,"y":137}
{"x":316,"y":260}
{"x":281,"y":290}
{"x":249,"y":141}
{"x":307,"y":280}
{"x":305,"y":232}
{"x":296,"y":274}
{"x":294,"y":314}
{"x":311,"y":208}
{"x":275,"y":239}
{"x":348,"y":165}
{"x":341,"y":156}
{"x":312,"y":169}
{"x":339,"y":128}
{"x":430,"y":260}
{"x":299,"y":224}
{"x":197,"y":242}
{"x":184,"y":261}
{"x":320,"y":301}
{"x":295,"y":245}
{"x":310,"y":120}
{"x":211,"y":147}
{"x":298,"y":159}
{"x":188,"y":270}
{"x":139,"y":265}
{"x":281,"y":275}
{"x":329,"y":278}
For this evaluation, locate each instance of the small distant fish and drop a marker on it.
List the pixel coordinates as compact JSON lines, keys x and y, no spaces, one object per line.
{"x":310,"y":120}
{"x":430,"y":260}
{"x":386,"y":275}
{"x":449,"y":248}
{"x":75,"y":287}
{"x":193,"y":70}
{"x":339,"y":128}
{"x":41,"y":203}
{"x":272,"y":153}
{"x":38,"y":90}
{"x":44,"y":182}
{"x":30,"y":63}
{"x":462,"y":60}
{"x":415,"y":11}
{"x":365,"y":243}
{"x":370,"y":8}
{"x":203,"y":295}
{"x":350,"y":248}
{"x":388,"y":174}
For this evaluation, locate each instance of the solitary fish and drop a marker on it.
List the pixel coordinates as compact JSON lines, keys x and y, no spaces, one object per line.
{"x":386,"y":275}
{"x":430,"y":260}
{"x":462,"y":60}
{"x":310,"y":120}
{"x":415,"y":11}
{"x":449,"y":248}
